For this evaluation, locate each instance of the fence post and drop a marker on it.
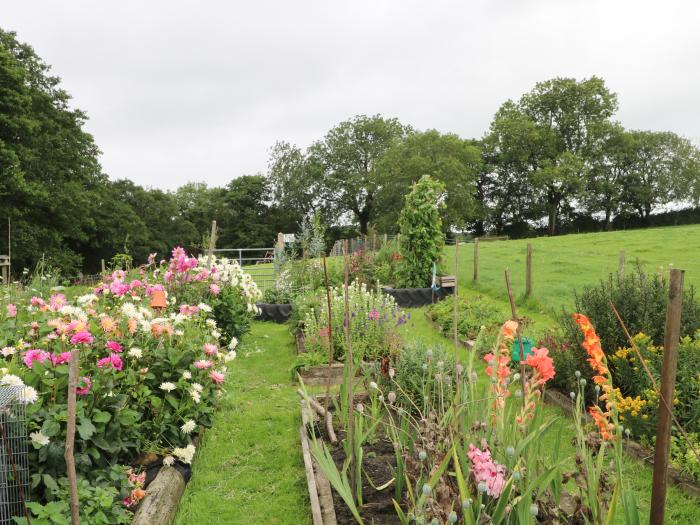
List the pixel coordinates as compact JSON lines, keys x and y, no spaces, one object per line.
{"x":668,"y":381}
{"x":621,"y":265}
{"x":212,"y":244}
{"x":476,"y":258}
{"x":528,"y":271}
{"x":102,"y":263}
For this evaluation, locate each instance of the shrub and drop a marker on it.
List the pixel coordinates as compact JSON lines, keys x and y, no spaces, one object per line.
{"x":422,"y":240}
{"x":472,"y":313}
{"x":386,"y":262}
{"x":641,"y":301}
{"x":231,"y":313}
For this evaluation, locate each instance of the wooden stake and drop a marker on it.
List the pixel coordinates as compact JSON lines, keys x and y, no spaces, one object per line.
{"x":621,"y":265}
{"x":102,"y":263}
{"x":351,"y":376}
{"x":514,"y":314}
{"x":212,"y":244}
{"x":454,"y":309}
{"x":330,"y":332}
{"x":528,"y":271}
{"x":672,"y":336}
{"x":73,"y":370}
{"x":476,"y":258}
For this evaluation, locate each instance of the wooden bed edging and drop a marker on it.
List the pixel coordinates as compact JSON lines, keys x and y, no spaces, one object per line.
{"x":163,"y":495}
{"x":320,"y":494}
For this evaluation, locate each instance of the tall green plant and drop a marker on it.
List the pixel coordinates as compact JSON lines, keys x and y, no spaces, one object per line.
{"x":422,"y":240}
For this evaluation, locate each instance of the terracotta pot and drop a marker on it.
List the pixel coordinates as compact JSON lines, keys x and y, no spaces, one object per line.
{"x":158,"y":299}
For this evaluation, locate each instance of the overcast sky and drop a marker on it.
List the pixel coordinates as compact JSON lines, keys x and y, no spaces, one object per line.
{"x":199,"y":91}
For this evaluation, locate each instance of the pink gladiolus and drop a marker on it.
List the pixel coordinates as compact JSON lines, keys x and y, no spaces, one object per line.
{"x":11,"y":310}
{"x":217,"y":377}
{"x":215,"y":289}
{"x":113,"y":346}
{"x":84,"y":390}
{"x":113,"y":361}
{"x":35,"y":355}
{"x":203,"y":364}
{"x":210,"y":349}
{"x":82,"y":337}
{"x":487,"y":471}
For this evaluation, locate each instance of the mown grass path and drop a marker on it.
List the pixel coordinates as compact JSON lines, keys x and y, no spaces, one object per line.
{"x":249,"y":468}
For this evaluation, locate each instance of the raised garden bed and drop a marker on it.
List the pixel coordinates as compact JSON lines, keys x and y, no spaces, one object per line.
{"x":278,"y":313}
{"x":416,"y":297}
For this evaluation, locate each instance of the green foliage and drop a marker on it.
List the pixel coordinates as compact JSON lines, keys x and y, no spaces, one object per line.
{"x":385,"y":263}
{"x":422,"y":240}
{"x":473,"y":313}
{"x":231,"y":313}
{"x":641,"y":300}
{"x":100,"y":504}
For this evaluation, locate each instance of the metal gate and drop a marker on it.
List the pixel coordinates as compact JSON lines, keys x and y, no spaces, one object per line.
{"x":258,"y":262}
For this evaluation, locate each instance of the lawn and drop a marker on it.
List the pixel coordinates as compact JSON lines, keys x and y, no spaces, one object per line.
{"x":249,"y":468}
{"x":569,"y":262}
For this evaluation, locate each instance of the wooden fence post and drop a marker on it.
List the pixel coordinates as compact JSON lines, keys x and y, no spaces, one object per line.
{"x":621,"y":265}
{"x":528,"y":271}
{"x":476,"y":258}
{"x":668,"y":380}
{"x":280,"y":242}
{"x":102,"y":263}
{"x":212,"y":244}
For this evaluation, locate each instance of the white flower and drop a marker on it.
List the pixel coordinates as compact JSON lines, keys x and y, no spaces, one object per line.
{"x":136,"y":353}
{"x":39,"y":439}
{"x":215,"y":334}
{"x":11,"y":380}
{"x":179,"y":333}
{"x":185,"y":454}
{"x":233,"y":344}
{"x":373,"y":385}
{"x":187,"y":374}
{"x":197,"y":387}
{"x":130,"y":310}
{"x":196,"y":397}
{"x":29,"y":396}
{"x":230,"y":356}
{"x":167,"y":386}
{"x":204,"y":307}
{"x":168,"y":460}
{"x":211,"y":323}
{"x":188,"y":426}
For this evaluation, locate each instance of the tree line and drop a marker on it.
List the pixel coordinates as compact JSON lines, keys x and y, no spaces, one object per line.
{"x":553,"y":161}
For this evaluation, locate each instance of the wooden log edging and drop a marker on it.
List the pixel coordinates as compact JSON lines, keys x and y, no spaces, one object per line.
{"x":320,"y":493}
{"x":163,"y":495}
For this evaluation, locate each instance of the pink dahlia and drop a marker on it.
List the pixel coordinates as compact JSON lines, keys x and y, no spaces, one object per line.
{"x":217,"y":377}
{"x":215,"y":289}
{"x":11,"y":310}
{"x":112,"y":361}
{"x":203,"y":364}
{"x":210,"y":349}
{"x":113,"y":346}
{"x":59,"y":359}
{"x":86,"y":383}
{"x":82,"y":337}
{"x":35,"y":355}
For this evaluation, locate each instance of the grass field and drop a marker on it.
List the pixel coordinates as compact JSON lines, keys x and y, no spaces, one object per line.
{"x":570,"y":262}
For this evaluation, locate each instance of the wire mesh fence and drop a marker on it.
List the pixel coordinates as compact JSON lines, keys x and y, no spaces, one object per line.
{"x":14,"y":461}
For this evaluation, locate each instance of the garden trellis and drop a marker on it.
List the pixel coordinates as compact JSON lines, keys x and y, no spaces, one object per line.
{"x":14,"y":464}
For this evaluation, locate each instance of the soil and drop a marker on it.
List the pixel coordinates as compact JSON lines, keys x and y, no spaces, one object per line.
{"x":378,"y":507}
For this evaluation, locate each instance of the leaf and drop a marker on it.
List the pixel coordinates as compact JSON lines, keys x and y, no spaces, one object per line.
{"x":85,"y":428}
{"x":50,"y":428}
{"x":100,"y":416}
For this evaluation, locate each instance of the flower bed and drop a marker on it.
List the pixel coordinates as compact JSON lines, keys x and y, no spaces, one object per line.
{"x":149,"y":379}
{"x":453,"y":448}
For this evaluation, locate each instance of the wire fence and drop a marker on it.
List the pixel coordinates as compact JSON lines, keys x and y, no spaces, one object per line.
{"x":14,"y":460}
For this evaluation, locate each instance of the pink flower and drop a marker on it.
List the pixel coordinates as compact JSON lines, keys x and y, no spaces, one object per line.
{"x":38,"y":302}
{"x":11,"y":310}
{"x":487,"y":471}
{"x":59,"y":359}
{"x":85,"y":389}
{"x":374,"y":314}
{"x":203,"y":364}
{"x":113,"y":346}
{"x":214,"y":289}
{"x":542,"y":363}
{"x":135,"y":284}
{"x":82,"y":337}
{"x":210,"y":349}
{"x":217,"y":377}
{"x":57,"y":301}
{"x":35,"y":355}
{"x":112,"y":361}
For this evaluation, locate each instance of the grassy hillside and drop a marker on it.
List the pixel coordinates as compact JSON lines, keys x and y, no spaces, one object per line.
{"x":570,"y":262}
